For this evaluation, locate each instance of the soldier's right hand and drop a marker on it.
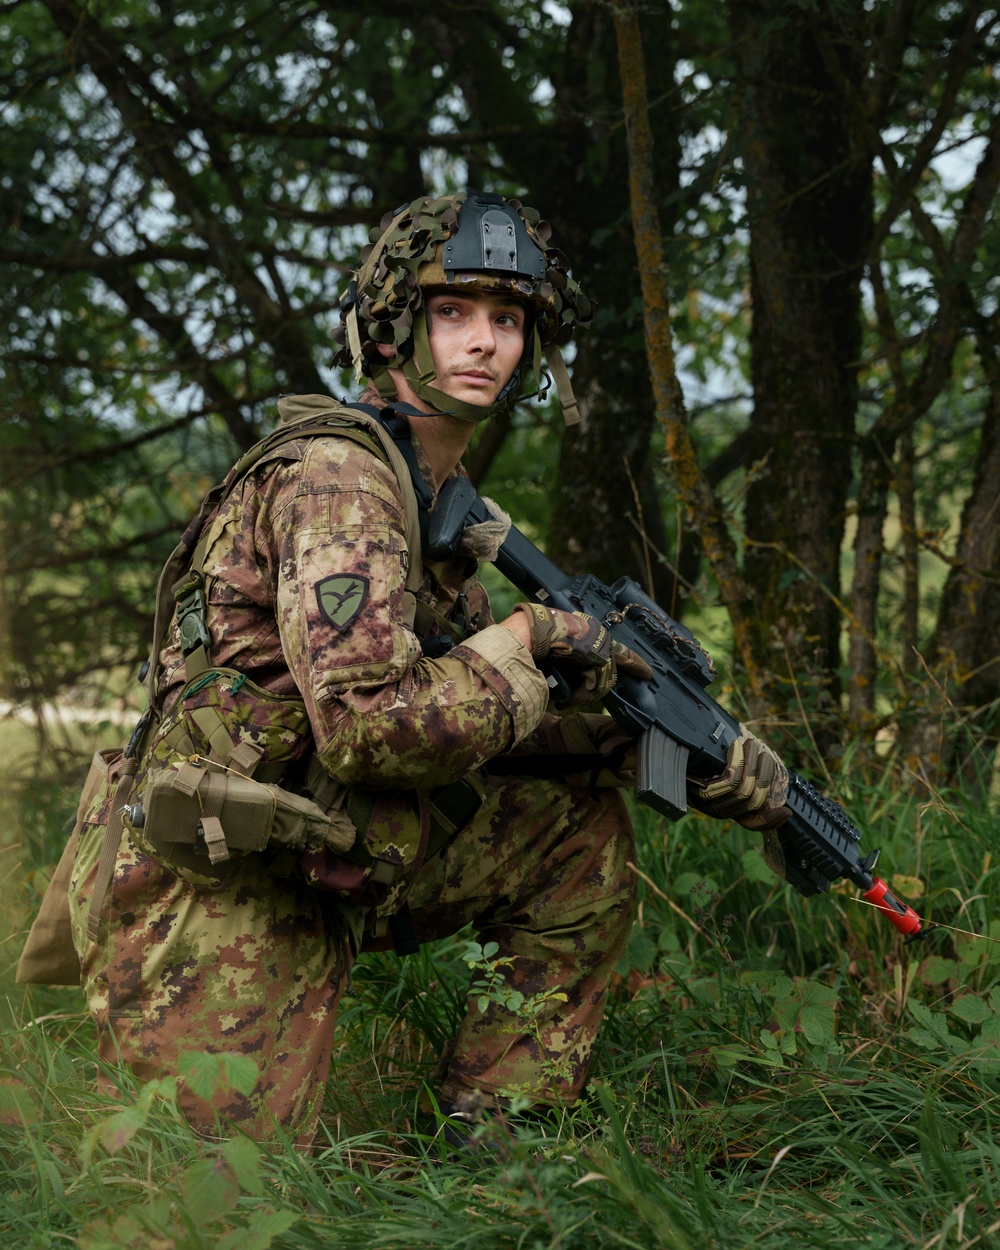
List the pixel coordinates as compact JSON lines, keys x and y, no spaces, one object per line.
{"x":580,"y":643}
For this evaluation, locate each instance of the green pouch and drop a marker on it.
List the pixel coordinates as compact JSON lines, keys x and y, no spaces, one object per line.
{"x":197,"y":819}
{"x":49,"y":956}
{"x":221,"y":710}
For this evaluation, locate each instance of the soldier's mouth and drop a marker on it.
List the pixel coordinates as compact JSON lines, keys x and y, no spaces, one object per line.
{"x":475,"y":377}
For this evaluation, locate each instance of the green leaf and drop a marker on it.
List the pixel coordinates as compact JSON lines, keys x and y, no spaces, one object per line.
{"x":209,"y":1190}
{"x":243,"y":1156}
{"x":240,"y":1072}
{"x":971,"y":1009}
{"x":164,"y":1088}
{"x":919,"y":1012}
{"x":932,"y":1030}
{"x":755,"y":868}
{"x":118,"y":1130}
{"x":473,"y":954}
{"x":924,"y":1038}
{"x":728,"y":1057}
{"x":935,"y":970}
{"x":773,"y":984}
{"x":264,"y":1226}
{"x":818,"y":1024}
{"x":685,"y":887}
{"x":207,"y":1074}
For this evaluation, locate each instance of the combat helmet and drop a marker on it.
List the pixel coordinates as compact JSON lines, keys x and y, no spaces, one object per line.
{"x":470,"y":241}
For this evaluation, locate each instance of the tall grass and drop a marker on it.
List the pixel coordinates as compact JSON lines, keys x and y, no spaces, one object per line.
{"x":772,"y":1072}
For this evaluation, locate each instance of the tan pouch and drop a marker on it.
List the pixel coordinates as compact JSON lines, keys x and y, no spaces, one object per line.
{"x":196,"y":819}
{"x":49,"y":956}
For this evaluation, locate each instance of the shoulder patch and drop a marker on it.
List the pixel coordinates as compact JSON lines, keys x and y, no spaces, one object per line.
{"x":341,"y":598}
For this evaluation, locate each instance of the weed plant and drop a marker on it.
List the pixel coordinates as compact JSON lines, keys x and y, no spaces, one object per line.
{"x":772,"y":1072}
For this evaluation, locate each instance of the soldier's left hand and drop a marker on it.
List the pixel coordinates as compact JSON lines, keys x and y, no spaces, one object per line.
{"x":752,"y":788}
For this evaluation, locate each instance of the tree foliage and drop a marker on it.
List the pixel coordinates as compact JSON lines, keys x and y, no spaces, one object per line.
{"x":187,"y":186}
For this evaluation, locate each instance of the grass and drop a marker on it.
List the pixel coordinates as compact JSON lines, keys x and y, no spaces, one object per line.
{"x":772,"y":1072}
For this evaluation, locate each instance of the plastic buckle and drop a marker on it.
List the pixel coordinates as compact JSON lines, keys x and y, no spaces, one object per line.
{"x":140,"y":728}
{"x":191,"y":621}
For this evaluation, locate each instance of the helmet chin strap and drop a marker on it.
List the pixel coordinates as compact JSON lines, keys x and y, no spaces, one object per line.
{"x":420,"y":373}
{"x":442,"y":403}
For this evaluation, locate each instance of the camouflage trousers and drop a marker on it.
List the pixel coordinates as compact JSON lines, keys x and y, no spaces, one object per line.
{"x":258,"y":966}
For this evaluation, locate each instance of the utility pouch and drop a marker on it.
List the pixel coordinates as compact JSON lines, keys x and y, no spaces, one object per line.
{"x":208,"y":790}
{"x":196,"y":819}
{"x":223,"y":718}
{"x":49,"y":956}
{"x":398,"y":831}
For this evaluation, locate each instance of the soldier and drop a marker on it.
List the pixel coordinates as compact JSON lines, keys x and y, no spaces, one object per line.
{"x":318,"y":673}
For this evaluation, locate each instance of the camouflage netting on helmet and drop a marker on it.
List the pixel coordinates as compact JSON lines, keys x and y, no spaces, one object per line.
{"x":402,"y":263}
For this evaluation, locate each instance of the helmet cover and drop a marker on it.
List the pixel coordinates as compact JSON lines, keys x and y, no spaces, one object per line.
{"x":467,"y":242}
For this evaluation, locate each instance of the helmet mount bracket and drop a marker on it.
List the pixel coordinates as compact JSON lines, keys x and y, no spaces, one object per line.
{"x":492,"y":238}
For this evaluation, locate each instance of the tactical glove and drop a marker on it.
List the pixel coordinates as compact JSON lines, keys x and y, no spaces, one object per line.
{"x":577,"y":642}
{"x":752,"y":788}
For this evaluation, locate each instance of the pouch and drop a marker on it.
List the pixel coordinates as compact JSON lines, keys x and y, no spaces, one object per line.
{"x":226,"y":743}
{"x":49,"y":956}
{"x":196,"y":819}
{"x":221,"y":710}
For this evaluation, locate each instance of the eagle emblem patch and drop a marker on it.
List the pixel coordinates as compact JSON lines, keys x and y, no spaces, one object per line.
{"x":341,"y":598}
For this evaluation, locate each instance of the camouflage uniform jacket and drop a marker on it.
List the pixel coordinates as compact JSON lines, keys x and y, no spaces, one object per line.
{"x":383,"y":716}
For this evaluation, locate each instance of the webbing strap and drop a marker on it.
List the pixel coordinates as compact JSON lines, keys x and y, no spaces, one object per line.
{"x":364,"y":276}
{"x":564,"y":388}
{"x":109,"y":847}
{"x":213,"y":793}
{"x":188,"y":778}
{"x":243,"y":758}
{"x":209,"y":721}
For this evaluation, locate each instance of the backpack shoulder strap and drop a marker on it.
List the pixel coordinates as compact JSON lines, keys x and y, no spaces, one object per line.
{"x":181,"y":580}
{"x":318,"y":414}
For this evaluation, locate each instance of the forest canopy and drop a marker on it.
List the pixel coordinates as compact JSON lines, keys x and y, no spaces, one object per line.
{"x":188,"y":186}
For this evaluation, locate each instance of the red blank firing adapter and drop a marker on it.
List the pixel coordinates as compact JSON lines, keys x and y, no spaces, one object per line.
{"x":902,"y":916}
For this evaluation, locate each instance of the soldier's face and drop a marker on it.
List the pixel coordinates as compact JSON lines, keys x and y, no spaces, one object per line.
{"x":476,"y":341}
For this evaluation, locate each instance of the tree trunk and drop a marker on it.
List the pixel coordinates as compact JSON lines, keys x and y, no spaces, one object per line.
{"x":606,"y":516}
{"x":809,"y":201}
{"x":862,"y":660}
{"x":955,"y":741}
{"x":693,"y":488}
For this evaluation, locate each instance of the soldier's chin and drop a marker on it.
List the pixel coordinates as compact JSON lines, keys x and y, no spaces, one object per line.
{"x":470,"y":393}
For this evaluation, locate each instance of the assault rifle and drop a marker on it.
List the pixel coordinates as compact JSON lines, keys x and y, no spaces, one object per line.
{"x":679,"y":727}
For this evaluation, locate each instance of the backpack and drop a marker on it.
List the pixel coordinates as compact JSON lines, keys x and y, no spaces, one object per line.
{"x":231,"y":804}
